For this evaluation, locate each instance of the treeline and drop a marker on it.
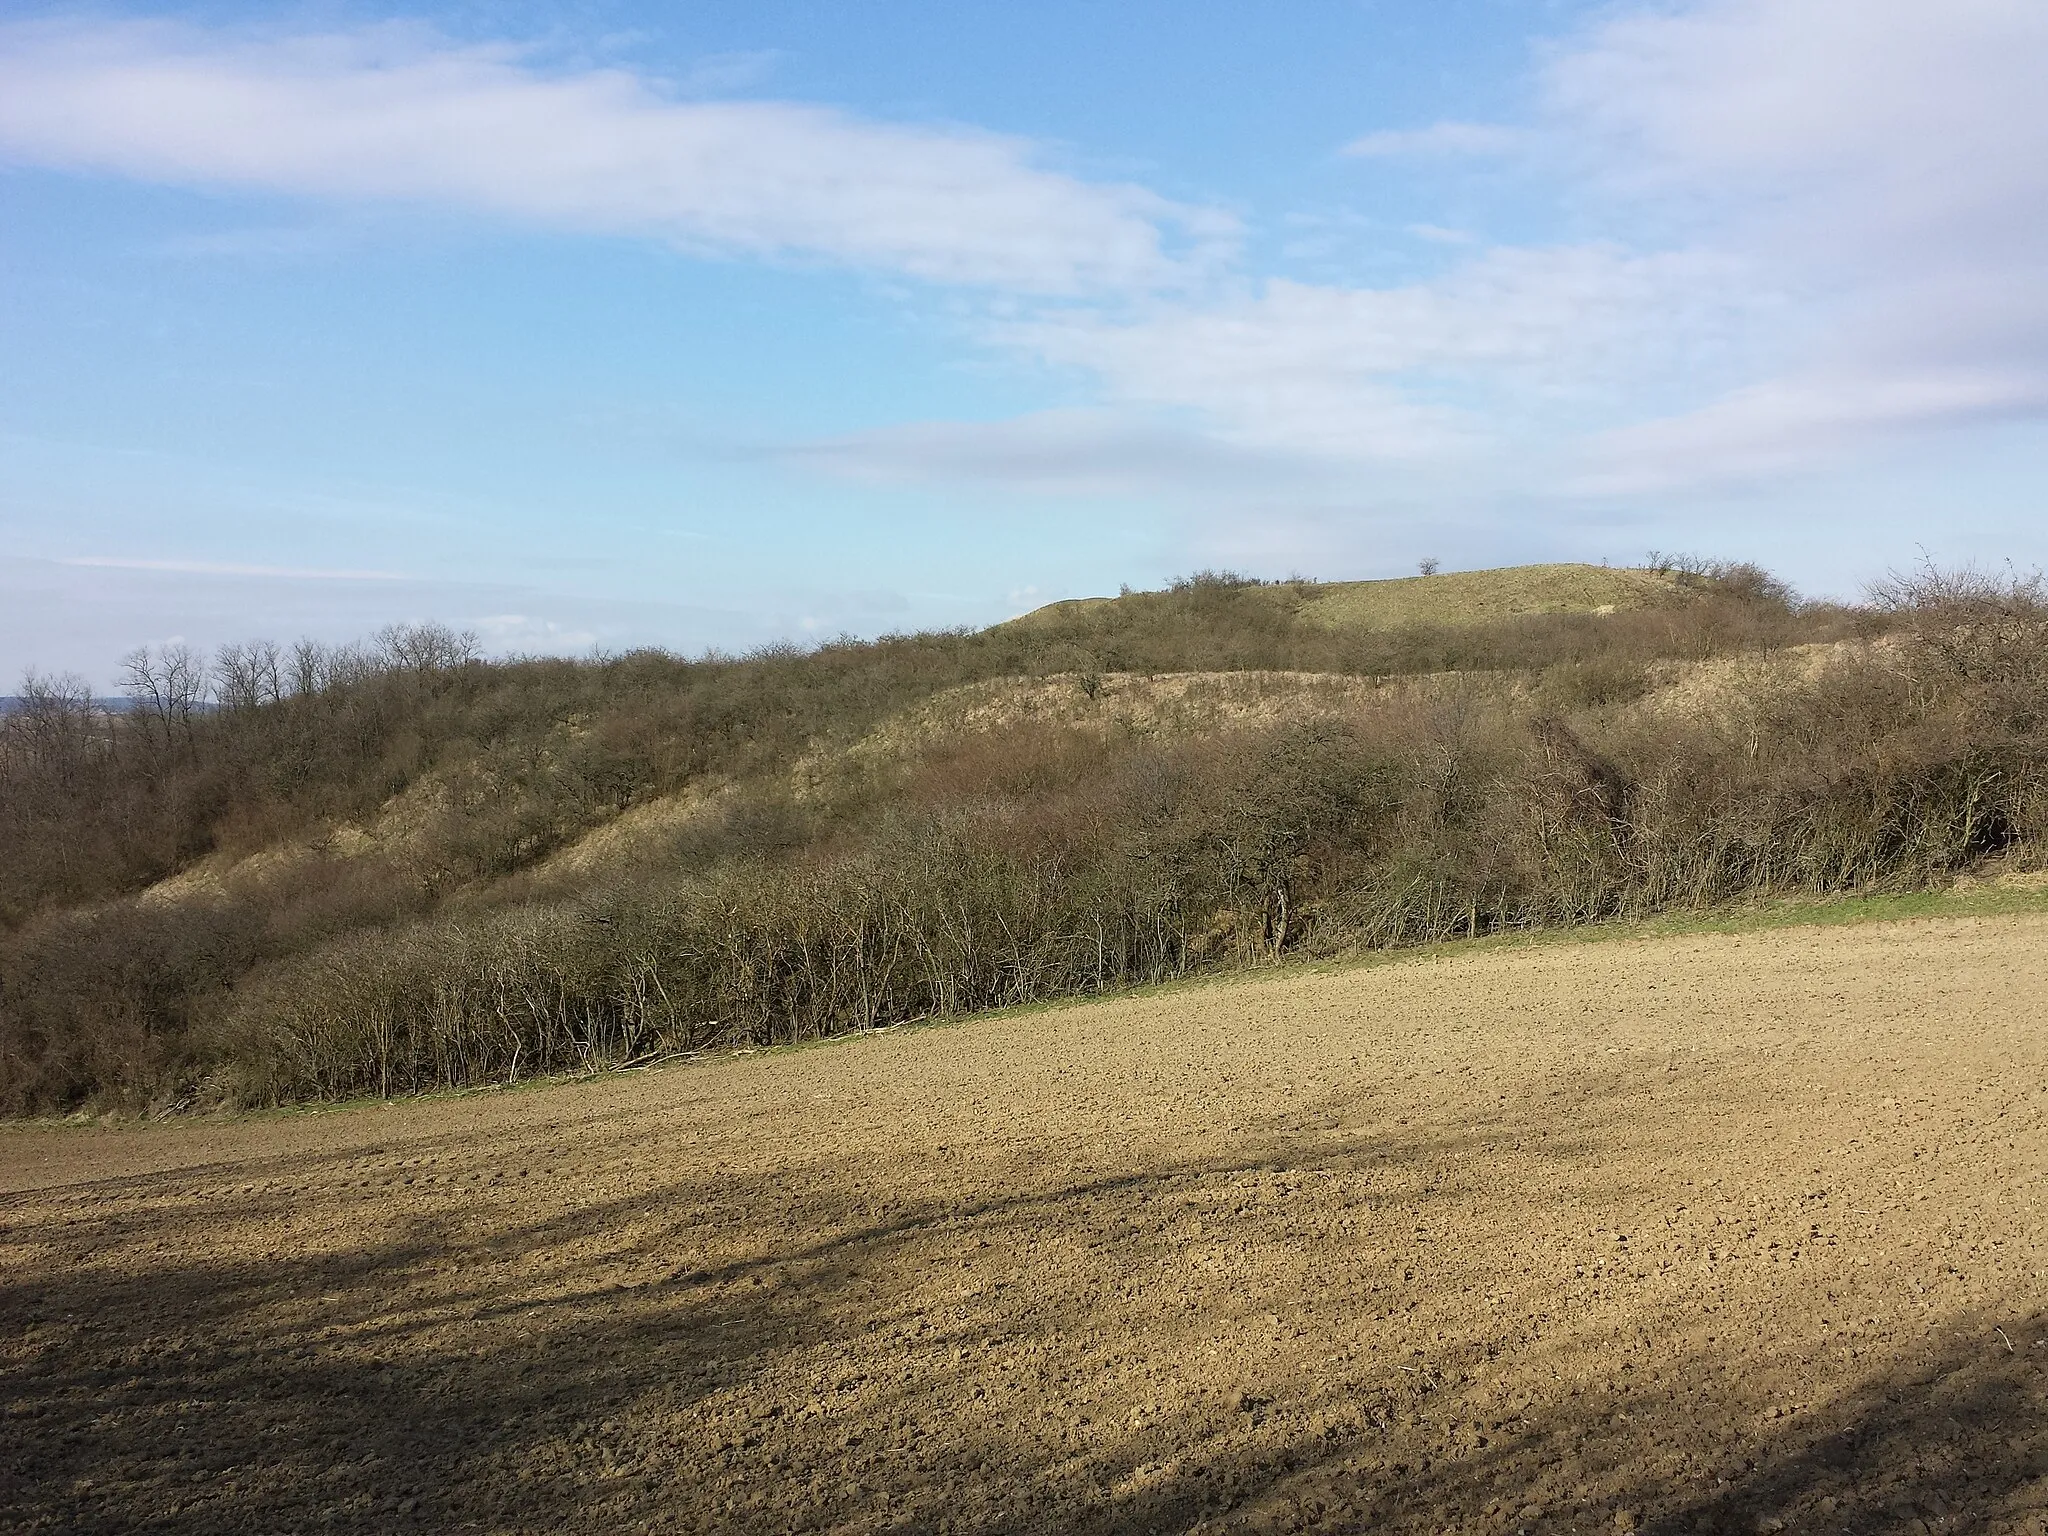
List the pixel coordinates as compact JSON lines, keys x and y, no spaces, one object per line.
{"x":994,"y":867}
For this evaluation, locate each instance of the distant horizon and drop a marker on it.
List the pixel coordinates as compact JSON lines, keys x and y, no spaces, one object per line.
{"x":764,"y":323}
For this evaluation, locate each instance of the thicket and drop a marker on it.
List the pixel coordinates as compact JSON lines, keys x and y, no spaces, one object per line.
{"x":991,"y":868}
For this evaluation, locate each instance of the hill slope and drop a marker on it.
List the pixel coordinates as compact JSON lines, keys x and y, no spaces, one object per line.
{"x":406,"y":876}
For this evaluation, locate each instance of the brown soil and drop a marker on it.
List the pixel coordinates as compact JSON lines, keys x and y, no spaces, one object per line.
{"x":1666,"y":1235}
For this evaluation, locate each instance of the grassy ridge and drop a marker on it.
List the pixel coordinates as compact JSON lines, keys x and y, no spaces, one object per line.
{"x":1481,"y":597}
{"x":1449,"y":599}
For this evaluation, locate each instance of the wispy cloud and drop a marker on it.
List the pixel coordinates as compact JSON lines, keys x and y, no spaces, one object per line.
{"x":1783,"y":426}
{"x":1821,"y":230}
{"x":267,"y":242}
{"x":393,"y":113}
{"x":1066,"y":452}
{"x":1508,"y":343}
{"x":1436,"y":141}
{"x":223,"y":568}
{"x":719,"y":73}
{"x":1438,"y":234}
{"x":509,"y":631}
{"x":1885,"y":161}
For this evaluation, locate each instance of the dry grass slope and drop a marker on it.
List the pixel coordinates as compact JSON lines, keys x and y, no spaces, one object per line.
{"x":1448,"y":597}
{"x":1478,"y":597}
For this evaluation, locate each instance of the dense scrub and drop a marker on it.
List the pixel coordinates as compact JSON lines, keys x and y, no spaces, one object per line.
{"x":1541,"y":784}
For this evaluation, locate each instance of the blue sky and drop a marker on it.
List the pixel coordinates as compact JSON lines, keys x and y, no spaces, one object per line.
{"x":609,"y":324}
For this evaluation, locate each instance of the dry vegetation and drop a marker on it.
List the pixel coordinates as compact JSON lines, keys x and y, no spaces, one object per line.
{"x":1704,"y":1234}
{"x":377,"y":871}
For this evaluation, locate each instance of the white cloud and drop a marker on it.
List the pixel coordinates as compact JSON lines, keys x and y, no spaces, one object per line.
{"x":1505,"y":342}
{"x":1831,"y":97}
{"x":1886,"y":160}
{"x":1438,"y":140}
{"x":1824,"y":231}
{"x":392,"y":114}
{"x":1783,"y":426}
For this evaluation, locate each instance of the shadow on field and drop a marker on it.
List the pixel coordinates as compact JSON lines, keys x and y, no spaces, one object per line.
{"x":460,"y":1369}
{"x":1958,"y":1444}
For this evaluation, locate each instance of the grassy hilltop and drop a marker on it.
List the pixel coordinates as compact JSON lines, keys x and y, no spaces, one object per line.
{"x":1441,"y":598}
{"x":282,"y":874}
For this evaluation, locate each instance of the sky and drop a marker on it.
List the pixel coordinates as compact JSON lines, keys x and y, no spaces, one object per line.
{"x":602,"y":324}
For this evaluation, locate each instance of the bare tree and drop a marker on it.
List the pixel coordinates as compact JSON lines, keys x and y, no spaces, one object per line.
{"x":51,"y":727}
{"x":166,"y":684}
{"x":306,"y":671}
{"x":313,"y":667}
{"x":248,"y":675}
{"x":425,"y":647}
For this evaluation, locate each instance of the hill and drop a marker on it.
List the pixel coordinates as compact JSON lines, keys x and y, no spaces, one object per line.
{"x":1441,"y":598}
{"x":1478,"y":597}
{"x":395,"y":868}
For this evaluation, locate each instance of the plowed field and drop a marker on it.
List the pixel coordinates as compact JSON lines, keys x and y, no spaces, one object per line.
{"x":1719,"y":1233}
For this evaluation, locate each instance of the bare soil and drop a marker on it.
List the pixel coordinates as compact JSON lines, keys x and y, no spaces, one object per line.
{"x":1722,"y":1233}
